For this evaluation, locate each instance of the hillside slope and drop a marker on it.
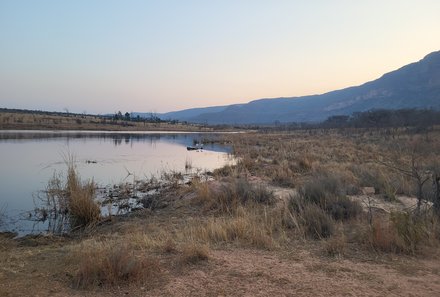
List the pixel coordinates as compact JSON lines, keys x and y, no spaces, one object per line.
{"x":416,"y":85}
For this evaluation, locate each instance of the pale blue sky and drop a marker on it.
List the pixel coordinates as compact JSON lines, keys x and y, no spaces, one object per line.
{"x":103,"y":56}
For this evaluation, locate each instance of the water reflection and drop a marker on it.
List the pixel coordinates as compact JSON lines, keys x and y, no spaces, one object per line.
{"x":30,"y":158}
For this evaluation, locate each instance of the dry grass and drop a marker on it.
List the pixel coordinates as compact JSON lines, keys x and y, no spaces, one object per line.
{"x":69,"y":202}
{"x":336,"y":245}
{"x":112,"y":263}
{"x":241,"y":213}
{"x":83,"y":210}
{"x":231,"y":194}
{"x":253,"y":227}
{"x":194,"y":253}
{"x":316,"y":223}
{"x":327,"y":165}
{"x":289,"y":158}
{"x":404,"y":232}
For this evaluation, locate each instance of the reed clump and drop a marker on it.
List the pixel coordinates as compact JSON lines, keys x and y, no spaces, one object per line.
{"x":69,"y":202}
{"x":83,"y":210}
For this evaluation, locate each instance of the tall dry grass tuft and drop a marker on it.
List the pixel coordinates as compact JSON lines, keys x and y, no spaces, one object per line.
{"x":69,"y":202}
{"x":249,"y":226}
{"x":110,"y":263}
{"x":336,"y":245}
{"x":83,"y":210}
{"x":194,"y":253}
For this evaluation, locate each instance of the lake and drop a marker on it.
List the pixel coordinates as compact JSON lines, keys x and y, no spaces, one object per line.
{"x":29,"y":159}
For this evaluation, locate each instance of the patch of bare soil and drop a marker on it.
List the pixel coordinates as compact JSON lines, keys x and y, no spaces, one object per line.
{"x":378,"y":204}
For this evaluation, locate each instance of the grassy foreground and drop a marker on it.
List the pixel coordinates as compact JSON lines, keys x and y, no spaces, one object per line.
{"x":305,"y":213}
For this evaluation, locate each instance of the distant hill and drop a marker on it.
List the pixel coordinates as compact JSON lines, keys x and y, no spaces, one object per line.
{"x":188,"y":114}
{"x":416,"y":85}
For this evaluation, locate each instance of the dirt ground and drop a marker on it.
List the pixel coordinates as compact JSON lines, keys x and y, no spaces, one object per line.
{"x":40,"y":267}
{"x":239,"y":272}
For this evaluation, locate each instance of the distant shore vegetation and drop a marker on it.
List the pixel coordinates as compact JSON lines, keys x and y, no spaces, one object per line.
{"x":18,"y":119}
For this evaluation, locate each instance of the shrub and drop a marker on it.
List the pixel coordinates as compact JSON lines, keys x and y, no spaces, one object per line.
{"x":318,"y":189}
{"x":383,"y":236}
{"x":342,"y":208}
{"x":402,"y":233}
{"x":375,"y":177}
{"x":316,"y":222}
{"x":410,"y":229}
{"x":325,"y":192}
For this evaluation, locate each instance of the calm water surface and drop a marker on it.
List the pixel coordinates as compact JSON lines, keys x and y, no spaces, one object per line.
{"x":28,"y":159}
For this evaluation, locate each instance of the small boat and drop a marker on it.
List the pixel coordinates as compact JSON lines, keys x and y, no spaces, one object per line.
{"x":194,"y":148}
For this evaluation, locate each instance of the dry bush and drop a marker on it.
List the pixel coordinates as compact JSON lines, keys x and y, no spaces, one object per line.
{"x":193,"y":253}
{"x":309,"y":218}
{"x":325,"y":192}
{"x":374,"y":176}
{"x":402,"y":233}
{"x":383,"y":236}
{"x":317,"y":224}
{"x":411,"y":230}
{"x":319,"y":189}
{"x":110,"y":263}
{"x":342,"y":208}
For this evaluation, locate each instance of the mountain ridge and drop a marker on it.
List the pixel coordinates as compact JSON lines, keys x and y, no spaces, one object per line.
{"x":416,"y":85}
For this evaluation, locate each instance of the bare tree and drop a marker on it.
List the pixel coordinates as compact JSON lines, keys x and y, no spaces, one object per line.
{"x":416,"y":167}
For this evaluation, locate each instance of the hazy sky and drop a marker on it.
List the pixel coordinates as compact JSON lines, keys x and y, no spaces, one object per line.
{"x":104,"y":56}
